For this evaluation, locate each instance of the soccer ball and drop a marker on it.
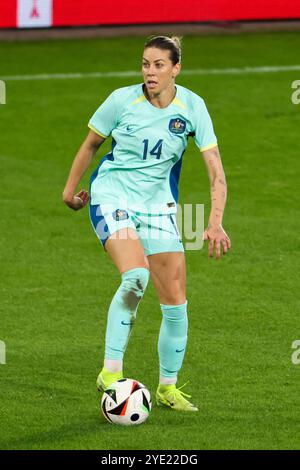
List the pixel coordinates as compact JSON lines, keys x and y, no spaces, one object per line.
{"x":126,"y":402}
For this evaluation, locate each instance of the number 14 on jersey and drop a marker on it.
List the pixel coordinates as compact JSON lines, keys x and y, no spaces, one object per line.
{"x":156,"y":151}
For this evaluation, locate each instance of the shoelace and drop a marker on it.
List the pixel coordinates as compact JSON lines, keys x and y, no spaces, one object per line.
{"x":178,"y":390}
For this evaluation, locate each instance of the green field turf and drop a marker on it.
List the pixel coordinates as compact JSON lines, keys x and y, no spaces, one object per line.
{"x":57,"y":283}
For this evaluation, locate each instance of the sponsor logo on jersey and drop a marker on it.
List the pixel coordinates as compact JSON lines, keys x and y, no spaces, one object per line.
{"x":177,"y":126}
{"x":120,"y":214}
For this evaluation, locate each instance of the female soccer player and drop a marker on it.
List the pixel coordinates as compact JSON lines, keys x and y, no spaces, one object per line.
{"x":133,"y":197}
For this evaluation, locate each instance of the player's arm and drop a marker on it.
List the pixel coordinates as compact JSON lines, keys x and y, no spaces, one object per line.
{"x":215,"y":234}
{"x":81,"y":162}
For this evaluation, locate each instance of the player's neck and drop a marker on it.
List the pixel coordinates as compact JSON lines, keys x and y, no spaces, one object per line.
{"x":162,"y":99}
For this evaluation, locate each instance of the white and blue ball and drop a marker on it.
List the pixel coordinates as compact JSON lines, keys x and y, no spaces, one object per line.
{"x":126,"y":402}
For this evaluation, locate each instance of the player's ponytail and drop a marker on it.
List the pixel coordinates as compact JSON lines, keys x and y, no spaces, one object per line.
{"x":177,"y":41}
{"x":172,"y":44}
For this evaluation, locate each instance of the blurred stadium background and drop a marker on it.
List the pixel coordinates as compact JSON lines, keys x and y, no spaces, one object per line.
{"x":58,"y":60}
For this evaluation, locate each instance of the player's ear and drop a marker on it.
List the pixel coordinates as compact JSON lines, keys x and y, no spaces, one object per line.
{"x":176,"y":69}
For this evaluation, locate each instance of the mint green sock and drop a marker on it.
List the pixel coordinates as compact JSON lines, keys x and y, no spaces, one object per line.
{"x":172,"y":339}
{"x":122,"y":312}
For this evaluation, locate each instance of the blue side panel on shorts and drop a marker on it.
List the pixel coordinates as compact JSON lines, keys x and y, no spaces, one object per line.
{"x":99,"y":223}
{"x":174,"y":178}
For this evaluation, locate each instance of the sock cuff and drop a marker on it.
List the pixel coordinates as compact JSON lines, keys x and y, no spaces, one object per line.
{"x":136,"y":271}
{"x":174,"y":312}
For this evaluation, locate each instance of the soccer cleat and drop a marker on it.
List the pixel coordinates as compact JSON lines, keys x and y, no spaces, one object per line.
{"x":169,"y":395}
{"x":106,"y":378}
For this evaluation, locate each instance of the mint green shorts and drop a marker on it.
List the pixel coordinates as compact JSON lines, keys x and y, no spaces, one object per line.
{"x":158,"y":233}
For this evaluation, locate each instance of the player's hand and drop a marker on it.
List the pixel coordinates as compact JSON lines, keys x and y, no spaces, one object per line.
{"x":216,"y":238}
{"x":77,"y":201}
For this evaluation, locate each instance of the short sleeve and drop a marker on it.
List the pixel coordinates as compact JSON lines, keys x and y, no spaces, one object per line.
{"x":104,"y":120}
{"x":205,"y":137}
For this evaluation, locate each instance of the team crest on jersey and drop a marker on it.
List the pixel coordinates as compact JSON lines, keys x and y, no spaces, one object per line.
{"x":177,"y":126}
{"x":120,"y":214}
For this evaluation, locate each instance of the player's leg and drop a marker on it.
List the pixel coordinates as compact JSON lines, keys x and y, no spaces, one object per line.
{"x":127,"y":253}
{"x":168,"y":274}
{"x":165,"y":252}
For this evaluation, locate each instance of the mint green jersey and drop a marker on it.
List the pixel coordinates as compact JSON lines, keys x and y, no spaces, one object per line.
{"x":142,"y":170}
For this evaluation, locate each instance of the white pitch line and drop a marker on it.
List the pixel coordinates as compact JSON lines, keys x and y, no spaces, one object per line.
{"x":132,"y":73}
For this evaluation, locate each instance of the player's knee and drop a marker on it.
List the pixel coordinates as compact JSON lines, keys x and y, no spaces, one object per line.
{"x":134,"y":283}
{"x":174,"y":296}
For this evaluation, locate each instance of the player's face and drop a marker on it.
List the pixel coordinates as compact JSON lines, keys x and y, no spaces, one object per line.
{"x":158,"y":70}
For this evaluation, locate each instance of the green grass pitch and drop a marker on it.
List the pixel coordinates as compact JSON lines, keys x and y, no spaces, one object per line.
{"x":57,"y":282}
